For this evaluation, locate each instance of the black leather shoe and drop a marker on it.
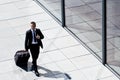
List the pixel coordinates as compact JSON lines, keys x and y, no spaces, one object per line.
{"x":37,"y":73}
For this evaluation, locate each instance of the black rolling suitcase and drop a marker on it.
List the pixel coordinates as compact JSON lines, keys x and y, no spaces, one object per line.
{"x":21,"y":57}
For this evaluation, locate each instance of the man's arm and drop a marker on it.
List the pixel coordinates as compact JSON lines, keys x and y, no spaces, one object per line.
{"x":26,"y":41}
{"x":40,"y":34}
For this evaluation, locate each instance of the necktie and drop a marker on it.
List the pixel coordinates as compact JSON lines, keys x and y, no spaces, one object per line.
{"x":34,"y":35}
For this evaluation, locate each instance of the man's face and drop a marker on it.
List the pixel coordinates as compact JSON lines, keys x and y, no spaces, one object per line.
{"x":33,"y":26}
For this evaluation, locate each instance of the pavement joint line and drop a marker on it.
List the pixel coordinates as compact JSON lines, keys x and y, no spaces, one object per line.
{"x":60,"y":48}
{"x":46,"y":53}
{"x":6,"y":60}
{"x":63,"y":59}
{"x":12,"y":2}
{"x":22,"y":17}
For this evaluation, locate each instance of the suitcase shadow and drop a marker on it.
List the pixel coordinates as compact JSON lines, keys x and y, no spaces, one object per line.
{"x":48,"y":73}
{"x":54,"y":74}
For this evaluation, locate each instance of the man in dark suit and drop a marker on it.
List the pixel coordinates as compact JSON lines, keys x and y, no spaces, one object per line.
{"x":33,"y":42}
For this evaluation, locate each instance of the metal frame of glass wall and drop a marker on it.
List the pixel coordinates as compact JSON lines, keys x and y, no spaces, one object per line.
{"x":104,"y":31}
{"x":63,"y":20}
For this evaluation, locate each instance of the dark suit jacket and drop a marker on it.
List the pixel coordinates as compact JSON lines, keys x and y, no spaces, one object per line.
{"x":28,"y":38}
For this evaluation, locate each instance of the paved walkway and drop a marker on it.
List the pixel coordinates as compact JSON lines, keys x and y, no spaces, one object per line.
{"x":61,"y":55}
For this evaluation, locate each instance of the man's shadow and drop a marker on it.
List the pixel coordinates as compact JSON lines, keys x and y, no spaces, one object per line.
{"x":49,"y":73}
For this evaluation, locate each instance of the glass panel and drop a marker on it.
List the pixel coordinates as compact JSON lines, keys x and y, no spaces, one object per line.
{"x":113,"y":34}
{"x":83,"y":17}
{"x":54,"y":6}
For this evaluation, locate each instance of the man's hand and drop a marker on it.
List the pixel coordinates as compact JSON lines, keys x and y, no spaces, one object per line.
{"x":38,"y":37}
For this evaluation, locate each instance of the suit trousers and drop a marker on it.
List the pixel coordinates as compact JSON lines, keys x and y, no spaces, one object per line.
{"x":34,"y":49}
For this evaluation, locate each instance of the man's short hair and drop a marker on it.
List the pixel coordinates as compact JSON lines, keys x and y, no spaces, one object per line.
{"x":33,"y":23}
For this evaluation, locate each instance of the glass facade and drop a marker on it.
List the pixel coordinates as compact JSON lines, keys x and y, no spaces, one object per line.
{"x":84,"y":19}
{"x":54,"y":6}
{"x":113,"y":34}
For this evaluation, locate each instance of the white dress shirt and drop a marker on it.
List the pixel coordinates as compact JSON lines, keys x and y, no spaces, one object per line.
{"x":33,"y":42}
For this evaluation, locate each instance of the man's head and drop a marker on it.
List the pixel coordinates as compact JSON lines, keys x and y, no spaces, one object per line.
{"x":33,"y":25}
